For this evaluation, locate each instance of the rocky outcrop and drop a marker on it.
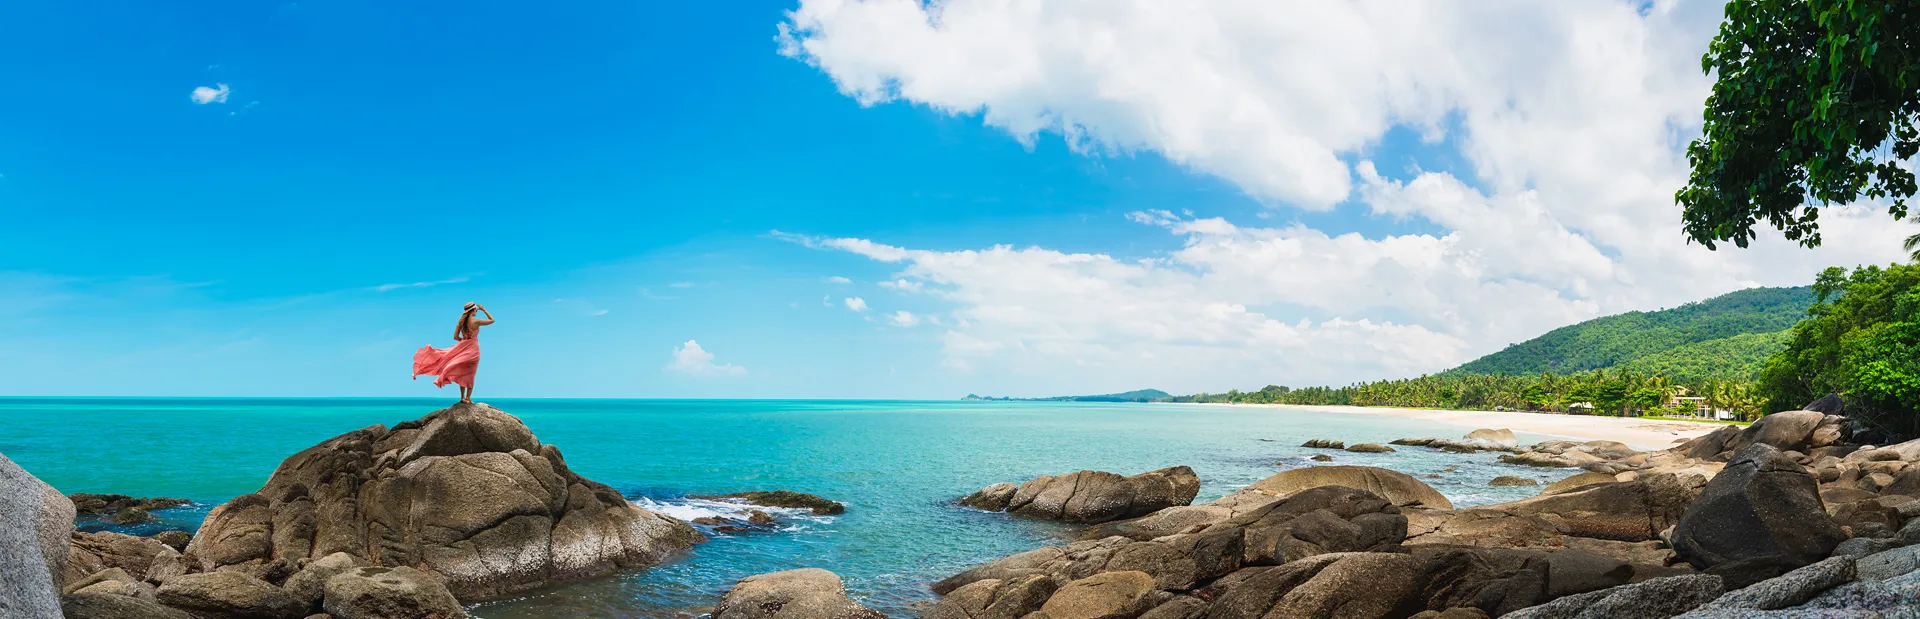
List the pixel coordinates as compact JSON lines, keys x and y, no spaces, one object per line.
{"x":1509,"y":480}
{"x":120,"y":508}
{"x":1321,"y":443}
{"x":1091,"y":496}
{"x":1760,"y":518}
{"x":1578,"y":480}
{"x":809,"y":593}
{"x":35,"y":522}
{"x":1400,"y":488}
{"x":113,"y":606}
{"x":1659,"y":597}
{"x":1369,"y":448}
{"x":145,"y":558}
{"x":785,"y":499}
{"x":230,"y":593}
{"x":466,"y":493}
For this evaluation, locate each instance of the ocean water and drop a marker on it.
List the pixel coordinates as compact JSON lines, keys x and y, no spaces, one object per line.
{"x":897,"y":465}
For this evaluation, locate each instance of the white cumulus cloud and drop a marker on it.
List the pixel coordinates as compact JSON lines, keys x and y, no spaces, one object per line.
{"x":204,"y":95}
{"x":903,"y":318}
{"x":1568,"y":120}
{"x":856,"y":304}
{"x":692,"y":360}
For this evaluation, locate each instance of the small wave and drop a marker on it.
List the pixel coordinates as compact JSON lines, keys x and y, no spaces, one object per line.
{"x":690,"y":509}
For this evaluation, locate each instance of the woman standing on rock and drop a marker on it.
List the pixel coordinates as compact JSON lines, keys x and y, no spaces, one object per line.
{"x":458,"y":364}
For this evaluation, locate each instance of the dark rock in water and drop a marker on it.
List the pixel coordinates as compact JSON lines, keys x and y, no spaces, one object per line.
{"x":1093,"y":496}
{"x":1759,"y":518}
{"x":86,"y":503}
{"x":466,"y":492}
{"x":1659,"y":597}
{"x":1369,"y":448}
{"x":131,"y":515}
{"x":1321,"y":443}
{"x":1509,"y":480}
{"x":809,"y":593}
{"x":383,"y":592}
{"x":35,"y":522}
{"x":784,"y":499}
{"x":992,"y":498}
{"x":1321,"y":458}
{"x":1829,"y":404}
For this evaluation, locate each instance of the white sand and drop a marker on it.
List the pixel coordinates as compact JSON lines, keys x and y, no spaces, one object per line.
{"x":1642,"y":434}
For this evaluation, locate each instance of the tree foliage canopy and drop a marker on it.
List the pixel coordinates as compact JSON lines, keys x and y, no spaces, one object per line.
{"x":1816,"y":101}
{"x":1862,"y":341}
{"x":1630,"y":338}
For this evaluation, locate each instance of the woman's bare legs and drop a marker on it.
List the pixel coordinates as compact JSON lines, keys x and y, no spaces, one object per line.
{"x":466,"y":395}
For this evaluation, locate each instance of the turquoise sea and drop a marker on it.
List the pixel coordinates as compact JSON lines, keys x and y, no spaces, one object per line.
{"x":897,"y":465}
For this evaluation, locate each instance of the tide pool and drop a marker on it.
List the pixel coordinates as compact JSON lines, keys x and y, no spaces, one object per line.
{"x":897,"y":465}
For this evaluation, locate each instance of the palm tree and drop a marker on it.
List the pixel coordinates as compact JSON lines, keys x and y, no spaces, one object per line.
{"x":1913,"y":242}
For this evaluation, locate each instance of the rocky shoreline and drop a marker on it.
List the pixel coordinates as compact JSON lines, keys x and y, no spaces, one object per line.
{"x":1787,"y":517}
{"x":1783,"y":518}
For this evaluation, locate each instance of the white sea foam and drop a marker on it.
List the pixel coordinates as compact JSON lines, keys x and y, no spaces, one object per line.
{"x":689,"y":509}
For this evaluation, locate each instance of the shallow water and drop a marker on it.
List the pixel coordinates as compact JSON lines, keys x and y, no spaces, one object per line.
{"x":897,"y":465}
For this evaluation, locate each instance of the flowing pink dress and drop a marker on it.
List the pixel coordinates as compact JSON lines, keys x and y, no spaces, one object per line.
{"x":451,"y":365}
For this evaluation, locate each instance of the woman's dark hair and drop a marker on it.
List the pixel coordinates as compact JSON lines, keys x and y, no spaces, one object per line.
{"x":460,"y":330}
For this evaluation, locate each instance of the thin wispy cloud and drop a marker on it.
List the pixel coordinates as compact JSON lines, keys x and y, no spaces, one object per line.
{"x":839,"y":280}
{"x":393,"y":287}
{"x":680,"y":285}
{"x":217,"y":94}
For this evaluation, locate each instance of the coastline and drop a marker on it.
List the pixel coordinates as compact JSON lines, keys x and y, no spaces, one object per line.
{"x":1642,"y":434}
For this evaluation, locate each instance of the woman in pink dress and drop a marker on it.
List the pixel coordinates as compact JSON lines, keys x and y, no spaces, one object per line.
{"x":458,"y":364}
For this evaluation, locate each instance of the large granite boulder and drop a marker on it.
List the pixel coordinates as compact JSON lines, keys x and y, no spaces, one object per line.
{"x":384,"y":592}
{"x":1760,"y":518}
{"x":230,"y":593}
{"x":112,"y":606}
{"x":1658,"y":597}
{"x":1109,"y":595}
{"x":1500,"y":437}
{"x":1092,"y":496}
{"x":35,"y":523}
{"x":1397,"y":487}
{"x":1630,"y":511}
{"x":809,"y":593}
{"x":994,"y":598}
{"x":466,"y":493}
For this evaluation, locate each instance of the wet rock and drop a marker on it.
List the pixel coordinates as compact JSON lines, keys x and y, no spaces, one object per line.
{"x":1509,"y":480}
{"x":786,"y":499}
{"x":384,"y":592}
{"x":1321,"y":443}
{"x":1759,"y":518}
{"x":1501,"y":437}
{"x":1321,"y":458}
{"x":466,"y":492}
{"x":809,"y":593}
{"x":1369,"y":448}
{"x":1400,"y":488}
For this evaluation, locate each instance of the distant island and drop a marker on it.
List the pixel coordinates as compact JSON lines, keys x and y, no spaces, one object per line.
{"x":1138,"y":395}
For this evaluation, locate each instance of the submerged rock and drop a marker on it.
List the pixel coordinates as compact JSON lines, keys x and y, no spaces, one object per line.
{"x":787,"y":499}
{"x":1509,"y":480}
{"x":35,"y":522}
{"x":809,"y":593}
{"x":466,"y":492}
{"x":1369,"y":448}
{"x":1092,"y":496}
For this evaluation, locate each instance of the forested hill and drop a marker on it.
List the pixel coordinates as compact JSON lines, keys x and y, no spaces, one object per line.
{"x":1727,"y":336}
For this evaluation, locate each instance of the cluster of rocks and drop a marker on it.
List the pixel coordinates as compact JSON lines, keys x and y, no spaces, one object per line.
{"x":408,"y":521}
{"x":1781,"y":518}
{"x":752,"y":520}
{"x":1372,"y":448}
{"x":1090,"y":496}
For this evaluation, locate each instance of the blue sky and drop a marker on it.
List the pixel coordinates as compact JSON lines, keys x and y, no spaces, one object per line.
{"x":609,"y":178}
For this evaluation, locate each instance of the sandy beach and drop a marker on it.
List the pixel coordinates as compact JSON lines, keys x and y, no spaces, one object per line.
{"x":1642,"y":434}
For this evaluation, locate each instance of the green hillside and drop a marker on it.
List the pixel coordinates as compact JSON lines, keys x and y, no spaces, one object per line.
{"x":1728,"y":336}
{"x":1734,"y":358}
